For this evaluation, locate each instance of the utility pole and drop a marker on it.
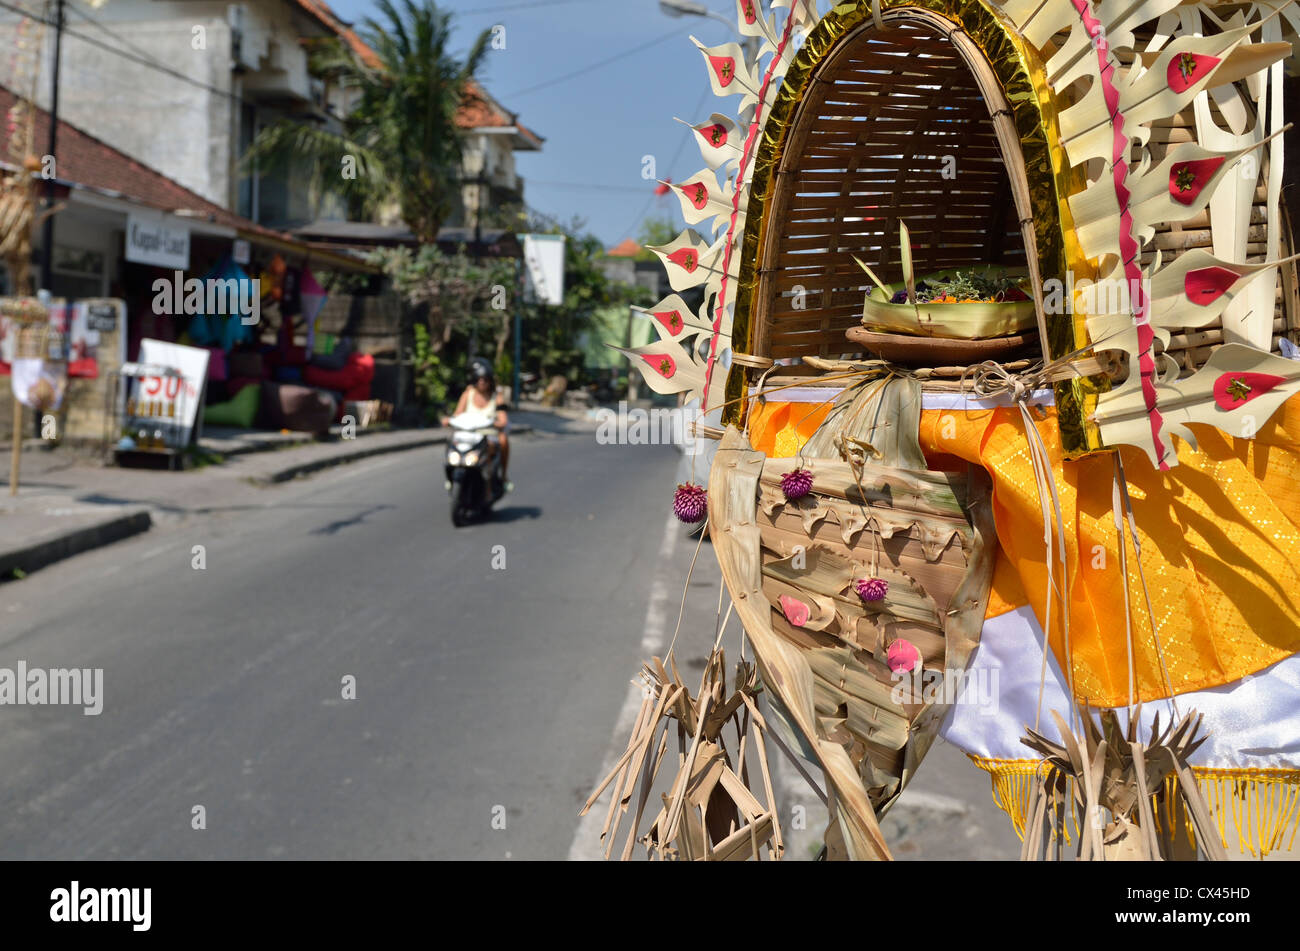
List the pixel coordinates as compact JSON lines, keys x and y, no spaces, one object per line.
{"x":516,"y":394}
{"x":690,"y":8}
{"x":47,"y":227}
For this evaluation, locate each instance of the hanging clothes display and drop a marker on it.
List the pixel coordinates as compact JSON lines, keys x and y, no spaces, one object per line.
{"x":313,"y":298}
{"x":226,"y":330}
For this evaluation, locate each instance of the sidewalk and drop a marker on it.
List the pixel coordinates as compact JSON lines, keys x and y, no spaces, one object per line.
{"x":68,"y":502}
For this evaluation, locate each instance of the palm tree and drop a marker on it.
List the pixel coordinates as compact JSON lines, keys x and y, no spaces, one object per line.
{"x":400,"y":142}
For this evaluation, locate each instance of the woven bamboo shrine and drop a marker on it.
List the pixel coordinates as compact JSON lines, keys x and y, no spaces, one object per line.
{"x":998,"y":345}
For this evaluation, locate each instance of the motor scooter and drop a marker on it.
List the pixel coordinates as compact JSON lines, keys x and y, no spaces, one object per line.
{"x":473,"y":468}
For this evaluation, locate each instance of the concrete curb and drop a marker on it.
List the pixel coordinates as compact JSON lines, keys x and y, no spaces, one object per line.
{"x":342,"y":459}
{"x":32,"y":557}
{"x":277,"y":442}
{"x":38,"y":555}
{"x":328,"y":462}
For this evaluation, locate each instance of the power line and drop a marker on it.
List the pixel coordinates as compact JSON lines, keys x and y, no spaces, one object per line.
{"x":536,"y":5}
{"x":135,"y":55}
{"x":671,"y":163}
{"x":125,"y":43}
{"x":594,"y":66}
{"x":142,"y":59}
{"x":125,"y":54}
{"x":584,"y":186}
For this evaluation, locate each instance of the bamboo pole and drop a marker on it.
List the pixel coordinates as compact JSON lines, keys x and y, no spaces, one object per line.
{"x":15,"y":459}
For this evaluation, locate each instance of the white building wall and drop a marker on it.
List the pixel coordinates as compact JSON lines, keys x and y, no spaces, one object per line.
{"x":186,"y":130}
{"x":490,"y":155}
{"x":179,"y":128}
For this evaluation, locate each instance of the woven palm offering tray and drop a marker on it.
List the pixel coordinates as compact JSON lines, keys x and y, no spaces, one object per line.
{"x":954,"y":316}
{"x":908,"y":350}
{"x":961,"y":304}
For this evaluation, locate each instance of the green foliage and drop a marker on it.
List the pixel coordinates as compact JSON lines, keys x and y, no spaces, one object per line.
{"x":400,"y":143}
{"x":464,"y":306}
{"x":432,"y":376}
{"x":987,"y":285}
{"x":656,"y":232}
{"x":553,"y":335}
{"x":505,"y":368}
{"x":467,"y":306}
{"x":459,"y":295}
{"x":344,"y":282}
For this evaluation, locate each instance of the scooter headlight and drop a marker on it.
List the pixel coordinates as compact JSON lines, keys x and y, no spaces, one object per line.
{"x":470,"y":458}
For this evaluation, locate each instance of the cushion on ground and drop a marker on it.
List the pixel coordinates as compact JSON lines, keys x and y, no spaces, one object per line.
{"x":358,"y":371}
{"x":237,"y":383}
{"x":239,"y":412}
{"x":300,"y":408}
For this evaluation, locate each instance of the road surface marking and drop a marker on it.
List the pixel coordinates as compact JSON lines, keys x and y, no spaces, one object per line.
{"x":586,"y":845}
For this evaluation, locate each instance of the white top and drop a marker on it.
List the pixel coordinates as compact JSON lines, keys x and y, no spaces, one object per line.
{"x":476,"y":415}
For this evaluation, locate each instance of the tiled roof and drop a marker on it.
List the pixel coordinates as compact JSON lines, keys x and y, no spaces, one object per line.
{"x":322,"y":12}
{"x":85,"y":160}
{"x":628,"y":249}
{"x":478,"y":110}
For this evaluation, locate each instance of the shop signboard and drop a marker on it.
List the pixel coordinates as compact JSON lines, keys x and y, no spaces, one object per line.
{"x":101,"y":317}
{"x":157,"y":242}
{"x":544,"y":261}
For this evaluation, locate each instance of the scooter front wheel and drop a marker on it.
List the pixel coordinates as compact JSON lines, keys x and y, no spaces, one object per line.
{"x":459,"y":514}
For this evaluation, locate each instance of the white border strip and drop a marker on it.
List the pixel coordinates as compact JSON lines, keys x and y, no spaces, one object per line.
{"x":961,"y":401}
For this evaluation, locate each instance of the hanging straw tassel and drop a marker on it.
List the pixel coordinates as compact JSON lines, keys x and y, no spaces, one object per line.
{"x":1136,"y":801}
{"x":710,"y":812}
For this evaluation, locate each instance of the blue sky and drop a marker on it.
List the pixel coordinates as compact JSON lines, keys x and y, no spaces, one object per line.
{"x":597,"y":125}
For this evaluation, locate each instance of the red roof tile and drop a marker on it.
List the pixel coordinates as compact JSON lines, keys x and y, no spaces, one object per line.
{"x":478,"y":110}
{"x":628,"y":249}
{"x":322,"y":12}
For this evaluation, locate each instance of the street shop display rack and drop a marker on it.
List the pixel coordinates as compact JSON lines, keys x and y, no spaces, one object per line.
{"x":146,"y":404}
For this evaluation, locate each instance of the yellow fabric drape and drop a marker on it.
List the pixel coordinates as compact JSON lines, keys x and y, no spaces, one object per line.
{"x":1220,"y":548}
{"x":781,"y":429}
{"x":1220,"y":538}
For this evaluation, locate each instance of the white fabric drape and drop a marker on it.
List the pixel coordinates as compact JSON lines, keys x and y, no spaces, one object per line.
{"x":1252,"y":723}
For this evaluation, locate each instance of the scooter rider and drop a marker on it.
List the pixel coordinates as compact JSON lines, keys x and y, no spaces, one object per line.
{"x":480,"y":398}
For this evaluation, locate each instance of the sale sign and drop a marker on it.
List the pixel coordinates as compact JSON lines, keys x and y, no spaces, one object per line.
{"x":179,"y":398}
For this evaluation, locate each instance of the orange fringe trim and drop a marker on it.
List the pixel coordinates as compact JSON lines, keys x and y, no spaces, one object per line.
{"x":1264,"y":804}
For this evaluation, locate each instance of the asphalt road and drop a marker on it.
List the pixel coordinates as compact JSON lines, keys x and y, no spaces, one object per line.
{"x":486,"y":698}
